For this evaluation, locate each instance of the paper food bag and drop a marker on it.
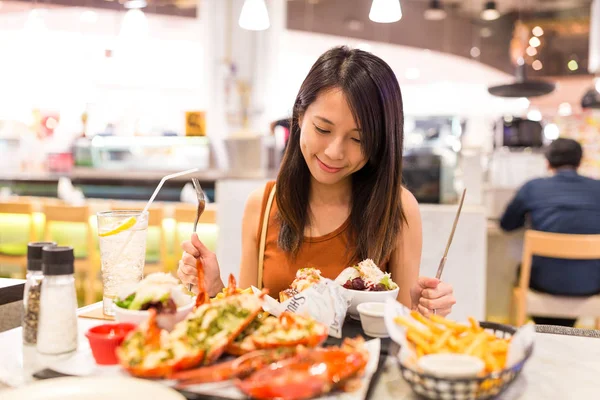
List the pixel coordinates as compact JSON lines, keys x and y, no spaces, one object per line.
{"x":325,"y":301}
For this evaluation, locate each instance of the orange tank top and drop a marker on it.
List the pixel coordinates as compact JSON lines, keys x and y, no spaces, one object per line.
{"x":328,"y":253}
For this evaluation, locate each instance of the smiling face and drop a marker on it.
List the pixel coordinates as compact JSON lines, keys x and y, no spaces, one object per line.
{"x":330,"y":138}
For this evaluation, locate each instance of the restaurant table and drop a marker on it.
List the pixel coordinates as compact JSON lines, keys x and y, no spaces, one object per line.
{"x":11,"y":302}
{"x":565,"y":365}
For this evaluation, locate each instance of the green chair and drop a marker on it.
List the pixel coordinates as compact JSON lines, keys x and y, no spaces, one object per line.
{"x":13,"y":245}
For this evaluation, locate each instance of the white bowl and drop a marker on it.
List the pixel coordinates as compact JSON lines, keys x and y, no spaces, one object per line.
{"x":371,"y":319}
{"x":447,"y":365}
{"x":363,"y":296}
{"x":165,"y":321}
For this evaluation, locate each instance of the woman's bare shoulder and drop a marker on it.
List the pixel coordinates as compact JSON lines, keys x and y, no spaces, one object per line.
{"x":410,"y":209}
{"x":409,"y":202}
{"x":255,"y":200}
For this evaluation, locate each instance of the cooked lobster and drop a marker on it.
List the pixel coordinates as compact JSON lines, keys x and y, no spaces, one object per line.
{"x":201,"y":338}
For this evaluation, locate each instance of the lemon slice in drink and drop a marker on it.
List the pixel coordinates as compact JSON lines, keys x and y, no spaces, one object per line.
{"x":129,"y":222}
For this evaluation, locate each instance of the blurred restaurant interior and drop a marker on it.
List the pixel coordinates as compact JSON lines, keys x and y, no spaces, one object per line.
{"x":100,"y":99}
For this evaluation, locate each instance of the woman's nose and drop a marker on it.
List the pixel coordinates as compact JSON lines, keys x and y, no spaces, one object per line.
{"x":335,"y":149}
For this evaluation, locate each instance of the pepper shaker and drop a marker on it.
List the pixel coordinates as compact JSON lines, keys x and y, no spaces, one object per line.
{"x":57,"y":332}
{"x":31,"y":294}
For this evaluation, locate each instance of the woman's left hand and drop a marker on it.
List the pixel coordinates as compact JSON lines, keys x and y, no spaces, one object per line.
{"x":430,"y":294}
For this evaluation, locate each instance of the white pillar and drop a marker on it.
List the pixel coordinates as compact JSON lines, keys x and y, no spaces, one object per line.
{"x":236,"y":60}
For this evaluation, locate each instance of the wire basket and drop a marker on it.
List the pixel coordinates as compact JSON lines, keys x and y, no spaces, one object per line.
{"x":480,"y":388}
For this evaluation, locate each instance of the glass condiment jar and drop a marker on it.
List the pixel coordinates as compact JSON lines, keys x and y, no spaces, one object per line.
{"x":57,"y":332}
{"x":32,"y":292}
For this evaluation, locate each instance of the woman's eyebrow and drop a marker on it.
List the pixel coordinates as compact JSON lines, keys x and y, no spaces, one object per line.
{"x":324,"y":120}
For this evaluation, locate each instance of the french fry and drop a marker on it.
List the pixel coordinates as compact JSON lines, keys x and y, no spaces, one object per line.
{"x":501,"y":360}
{"x":477,"y":342}
{"x":491,"y":363}
{"x":427,"y":322}
{"x":418,"y":341}
{"x":498,"y":346}
{"x":452,"y":342}
{"x":441,"y":341}
{"x":464,"y":341}
{"x":449,"y":324}
{"x":439,"y":335}
{"x":475,"y":325}
{"x":412,"y":326}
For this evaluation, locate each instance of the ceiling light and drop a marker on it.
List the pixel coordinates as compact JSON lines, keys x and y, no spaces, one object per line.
{"x":523,"y":102}
{"x":531,"y":51}
{"x":355,"y":25}
{"x":564,"y":109}
{"x":134,"y":25}
{"x":534,"y":115}
{"x":475,"y":52}
{"x":51,"y":123}
{"x":537,"y":31}
{"x":551,"y":132}
{"x":254,"y":16}
{"x":131,"y":4}
{"x":572,"y":65}
{"x":534,"y":41}
{"x":490,"y":12}
{"x":385,"y":11}
{"x":435,"y":12}
{"x":537,"y":65}
{"x":485,"y":32}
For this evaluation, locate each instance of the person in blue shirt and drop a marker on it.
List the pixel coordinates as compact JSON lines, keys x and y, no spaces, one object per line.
{"x":566,"y":202}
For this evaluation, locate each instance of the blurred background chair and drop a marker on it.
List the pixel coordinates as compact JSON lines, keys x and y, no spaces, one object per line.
{"x":70,"y":226}
{"x":555,"y":245}
{"x":13,"y":241}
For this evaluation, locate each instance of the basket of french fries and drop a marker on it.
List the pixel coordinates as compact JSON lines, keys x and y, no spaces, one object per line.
{"x":444,"y":359}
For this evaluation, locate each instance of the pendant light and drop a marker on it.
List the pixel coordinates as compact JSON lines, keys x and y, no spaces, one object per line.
{"x":254,"y":15}
{"x":385,"y":11}
{"x":490,"y":12}
{"x":435,"y":12}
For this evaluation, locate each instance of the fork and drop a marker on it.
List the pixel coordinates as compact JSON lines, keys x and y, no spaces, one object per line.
{"x":201,"y":201}
{"x":201,"y":206}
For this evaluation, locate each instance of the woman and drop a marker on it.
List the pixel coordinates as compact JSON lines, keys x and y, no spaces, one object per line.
{"x":339,"y":197}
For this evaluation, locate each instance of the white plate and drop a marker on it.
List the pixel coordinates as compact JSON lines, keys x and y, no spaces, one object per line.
{"x":100,"y":388}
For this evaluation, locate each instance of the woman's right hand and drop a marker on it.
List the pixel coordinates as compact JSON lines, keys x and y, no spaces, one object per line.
{"x":193,"y":250}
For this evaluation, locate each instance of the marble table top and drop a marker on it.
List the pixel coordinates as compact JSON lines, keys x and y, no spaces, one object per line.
{"x":563,"y":366}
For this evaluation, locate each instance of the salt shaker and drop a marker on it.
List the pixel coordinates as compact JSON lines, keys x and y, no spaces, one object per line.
{"x":31,"y":294}
{"x":57,"y":333}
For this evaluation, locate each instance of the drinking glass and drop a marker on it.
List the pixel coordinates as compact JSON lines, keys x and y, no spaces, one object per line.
{"x":122,"y":238}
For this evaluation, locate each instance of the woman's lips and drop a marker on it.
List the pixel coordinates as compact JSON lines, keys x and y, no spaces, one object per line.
{"x":326,"y":167}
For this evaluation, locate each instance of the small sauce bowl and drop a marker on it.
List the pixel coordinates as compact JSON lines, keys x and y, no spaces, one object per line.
{"x":448,"y":365}
{"x":104,"y":340}
{"x":371,"y":319}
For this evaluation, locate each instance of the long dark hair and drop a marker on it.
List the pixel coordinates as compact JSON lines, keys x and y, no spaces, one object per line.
{"x":374,"y":96}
